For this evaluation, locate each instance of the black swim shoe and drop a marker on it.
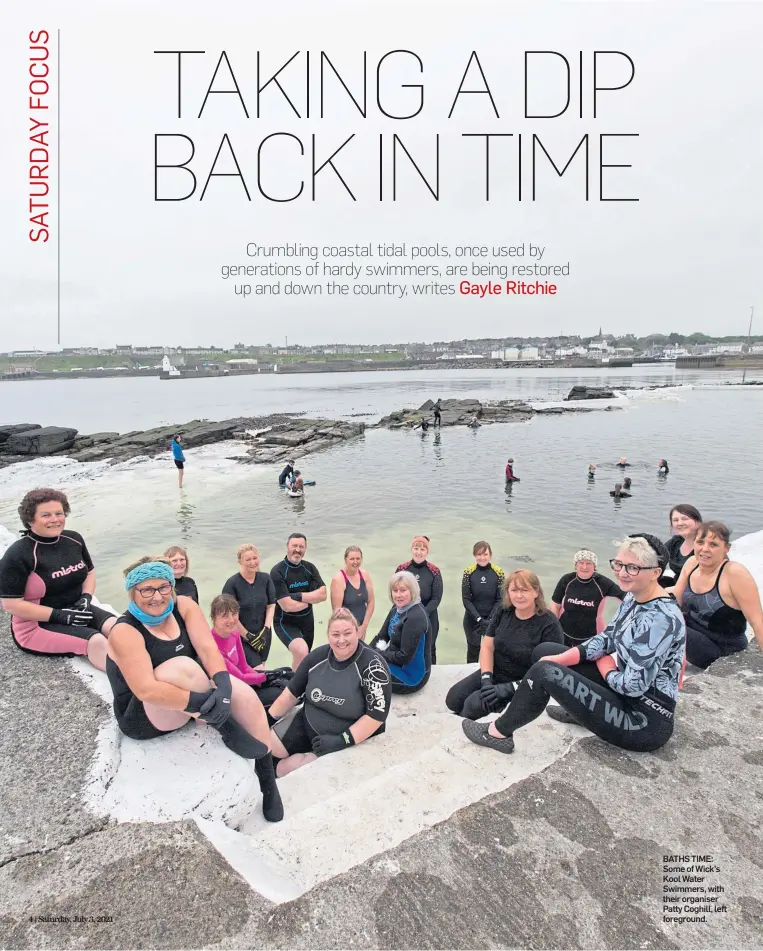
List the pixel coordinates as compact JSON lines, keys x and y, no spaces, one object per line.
{"x":272,"y":807}
{"x":559,"y":713}
{"x":478,"y":733}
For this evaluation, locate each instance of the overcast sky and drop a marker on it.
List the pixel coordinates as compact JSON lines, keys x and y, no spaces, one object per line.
{"x":685,"y":257}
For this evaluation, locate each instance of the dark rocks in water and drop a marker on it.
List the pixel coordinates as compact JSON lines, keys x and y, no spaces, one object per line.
{"x":7,"y":431}
{"x":461,"y":413}
{"x":582,"y":392}
{"x":40,"y":441}
{"x":300,"y":436}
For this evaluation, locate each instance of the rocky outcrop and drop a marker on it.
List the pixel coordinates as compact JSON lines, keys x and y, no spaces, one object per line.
{"x":7,"y":431}
{"x":463,"y":413}
{"x":300,"y":437}
{"x":40,"y":441}
{"x":582,"y":392}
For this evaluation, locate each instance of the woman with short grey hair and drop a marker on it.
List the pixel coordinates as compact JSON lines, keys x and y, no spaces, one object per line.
{"x":639,"y":659}
{"x":404,"y":640}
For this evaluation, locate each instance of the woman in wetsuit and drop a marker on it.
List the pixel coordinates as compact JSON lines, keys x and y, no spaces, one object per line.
{"x":346,"y":687}
{"x":164,"y":668}
{"x":429,"y":580}
{"x":256,"y":595}
{"x":47,"y":583}
{"x":618,"y":493}
{"x":482,"y":588}
{"x":628,"y":699}
{"x":579,"y":597}
{"x":684,"y":523}
{"x":178,"y":558}
{"x":353,"y":589}
{"x":662,"y":467}
{"x":520,"y":624}
{"x":404,"y":640}
{"x":718,"y":597}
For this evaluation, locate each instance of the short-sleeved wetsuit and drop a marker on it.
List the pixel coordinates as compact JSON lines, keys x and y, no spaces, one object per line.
{"x":49,"y":572}
{"x":481,"y":594}
{"x":291,"y":579}
{"x":337,"y":694}
{"x":430,"y":585}
{"x":128,"y":710}
{"x":582,"y":604}
{"x":253,"y":600}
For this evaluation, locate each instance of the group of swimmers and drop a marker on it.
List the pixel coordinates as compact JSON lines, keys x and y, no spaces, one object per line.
{"x":622,"y":489}
{"x":167,"y":664}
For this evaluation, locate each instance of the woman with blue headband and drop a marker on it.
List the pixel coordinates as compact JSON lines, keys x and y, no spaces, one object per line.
{"x":164,"y":668}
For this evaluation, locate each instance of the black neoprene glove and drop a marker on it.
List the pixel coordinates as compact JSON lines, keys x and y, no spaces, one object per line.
{"x":217,"y":707}
{"x":504,"y":692}
{"x":487,"y":690}
{"x":84,"y":602}
{"x":279,"y":676}
{"x":71,"y":617}
{"x":197,"y":700}
{"x":332,"y":742}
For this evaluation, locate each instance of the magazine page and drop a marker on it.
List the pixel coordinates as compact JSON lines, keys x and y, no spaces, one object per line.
{"x":380,"y":536}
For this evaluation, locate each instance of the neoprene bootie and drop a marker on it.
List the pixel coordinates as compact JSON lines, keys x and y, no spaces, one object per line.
{"x":272,"y":807}
{"x":239,"y":741}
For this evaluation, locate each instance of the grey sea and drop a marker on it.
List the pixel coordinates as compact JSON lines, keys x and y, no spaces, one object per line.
{"x":380,"y":490}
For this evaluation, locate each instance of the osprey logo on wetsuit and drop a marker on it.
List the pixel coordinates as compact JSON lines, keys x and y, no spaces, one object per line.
{"x":63,"y":572}
{"x":375,"y":679}
{"x":316,"y":695}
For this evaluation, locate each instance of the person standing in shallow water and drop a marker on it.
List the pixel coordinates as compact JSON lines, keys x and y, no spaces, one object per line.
{"x":178,"y":457}
{"x":437,"y":413}
{"x":429,"y":580}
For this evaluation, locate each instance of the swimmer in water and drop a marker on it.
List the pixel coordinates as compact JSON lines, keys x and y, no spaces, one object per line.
{"x":299,"y":483}
{"x":474,"y":423}
{"x":510,"y":477}
{"x":618,"y":493}
{"x":627,"y":482}
{"x":623,"y":462}
{"x":288,"y":471}
{"x":662,"y":467}
{"x":592,"y":472}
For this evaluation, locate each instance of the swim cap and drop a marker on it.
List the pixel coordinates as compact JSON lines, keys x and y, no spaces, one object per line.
{"x":585,"y":554}
{"x":149,"y":569}
{"x":656,"y":545}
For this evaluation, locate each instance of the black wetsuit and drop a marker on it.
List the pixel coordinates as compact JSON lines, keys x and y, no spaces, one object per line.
{"x":49,"y":572}
{"x":582,"y":604}
{"x":409,"y":647}
{"x":291,"y":579}
{"x":713,"y":629}
{"x":355,"y":599}
{"x":430,"y":585}
{"x":187,"y":587}
{"x":337,"y":694}
{"x":288,"y":471}
{"x":514,"y":640}
{"x":676,"y":560}
{"x":437,"y":414}
{"x":128,"y":710}
{"x":253,"y":601}
{"x":481,"y":594}
{"x":634,"y":706}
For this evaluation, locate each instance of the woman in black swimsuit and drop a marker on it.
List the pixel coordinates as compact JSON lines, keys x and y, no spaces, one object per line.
{"x":718,"y":597}
{"x":353,"y":589}
{"x":164,"y":668}
{"x":684,"y":523}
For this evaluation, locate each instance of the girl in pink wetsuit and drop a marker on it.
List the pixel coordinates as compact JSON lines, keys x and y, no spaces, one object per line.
{"x":228,"y":640}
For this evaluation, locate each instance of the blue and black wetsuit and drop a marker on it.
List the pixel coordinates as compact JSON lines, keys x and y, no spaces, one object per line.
{"x":430,"y":586}
{"x":292,"y":579}
{"x":408,"y":650}
{"x":634,"y":706}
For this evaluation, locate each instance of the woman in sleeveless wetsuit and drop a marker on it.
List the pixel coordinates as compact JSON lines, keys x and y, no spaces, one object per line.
{"x":164,"y":668}
{"x":718,"y":597}
{"x":684,"y":523}
{"x":353,"y":589}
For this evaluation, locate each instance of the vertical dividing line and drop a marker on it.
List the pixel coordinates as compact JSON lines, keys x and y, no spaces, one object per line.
{"x":58,"y":183}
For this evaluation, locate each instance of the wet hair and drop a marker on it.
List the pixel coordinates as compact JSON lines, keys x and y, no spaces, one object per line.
{"x":296,"y":535}
{"x":509,"y":461}
{"x":350,"y":548}
{"x":223,"y":604}
{"x":28,"y":507}
{"x":243,"y":549}
{"x":343,"y":614}
{"x":719,"y":529}
{"x":405,"y":579}
{"x":144,"y":560}
{"x":480,"y":547}
{"x":524,"y":578}
{"x":684,"y":509}
{"x":177,"y":550}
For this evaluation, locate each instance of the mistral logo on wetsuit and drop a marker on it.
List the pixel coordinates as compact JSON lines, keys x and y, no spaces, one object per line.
{"x":298,"y":584}
{"x":582,"y":604}
{"x":375,"y":678}
{"x":70,"y":569}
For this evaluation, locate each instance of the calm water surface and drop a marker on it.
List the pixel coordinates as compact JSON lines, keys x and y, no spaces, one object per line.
{"x":380,"y":490}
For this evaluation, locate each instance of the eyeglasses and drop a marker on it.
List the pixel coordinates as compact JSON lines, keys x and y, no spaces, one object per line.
{"x":631,"y":570}
{"x":149,"y":592}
